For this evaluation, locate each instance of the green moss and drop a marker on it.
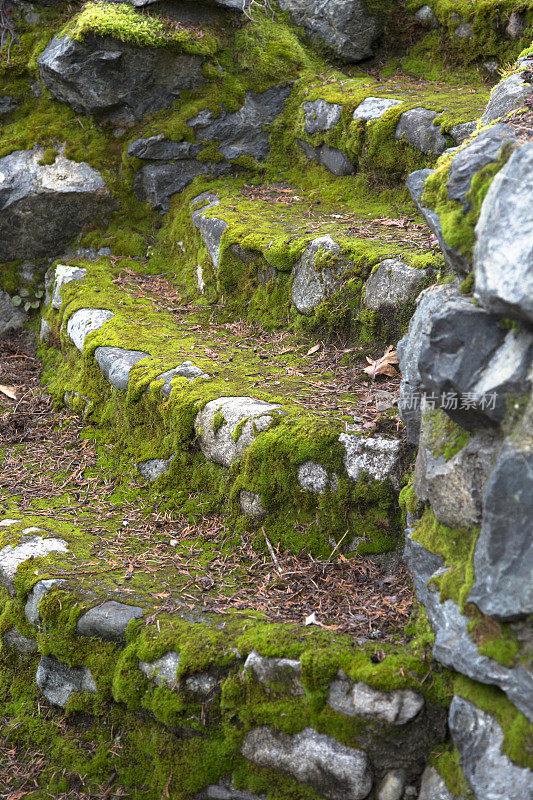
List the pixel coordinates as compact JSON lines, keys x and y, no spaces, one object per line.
{"x":218,"y":421}
{"x":48,"y":157}
{"x":444,"y":437}
{"x":408,"y":500}
{"x":467,"y":286}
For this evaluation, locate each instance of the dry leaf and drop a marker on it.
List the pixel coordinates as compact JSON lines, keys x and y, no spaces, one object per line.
{"x":314,"y":349}
{"x":383,"y":365}
{"x":9,"y":391}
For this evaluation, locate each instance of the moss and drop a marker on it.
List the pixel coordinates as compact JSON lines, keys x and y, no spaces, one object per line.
{"x":408,"y":500}
{"x":236,"y":435}
{"x":444,"y":437}
{"x":467,"y":286}
{"x":218,"y":421}
{"x":48,"y":157}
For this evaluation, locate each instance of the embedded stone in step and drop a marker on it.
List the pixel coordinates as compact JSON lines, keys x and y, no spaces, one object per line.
{"x":392,"y":785}
{"x":6,"y":523}
{"x":201,"y":683}
{"x":58,"y":682}
{"x":508,"y":95}
{"x":211,"y":228}
{"x":392,"y":285}
{"x":227,"y":426}
{"x":433,"y":786}
{"x":335,"y":161}
{"x":154,"y":468}
{"x":15,"y":640}
{"x":416,"y":127}
{"x":321,"y":116}
{"x":225,"y":789}
{"x":59,"y":198}
{"x":479,"y":740}
{"x":284,"y":673}
{"x":463,"y":131}
{"x":162,"y":670}
{"x":116,"y":364}
{"x":313,"y":280}
{"x":155,"y":183}
{"x":358,"y":699}
{"x":32,"y":547}
{"x":31,"y":609}
{"x":374,"y":108}
{"x":186,"y":370}
{"x":108,"y":620}
{"x":314,"y":478}
{"x":333,"y":770}
{"x":64,"y":274}
{"x":84,"y":322}
{"x":251,"y":504}
{"x":8,"y":105}
{"x":203,"y":202}
{"x":44,"y":331}
{"x":11,"y":318}
{"x":376,"y":457}
{"x":426,"y":17}
{"x":503,"y":252}
{"x":157,"y":148}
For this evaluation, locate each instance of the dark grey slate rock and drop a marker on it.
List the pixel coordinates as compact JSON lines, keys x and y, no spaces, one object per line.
{"x":374,"y":107}
{"x":285,"y":673}
{"x":507,"y":96}
{"x":416,"y":127}
{"x":309,"y":151}
{"x":186,"y":370}
{"x":60,"y":198}
{"x":503,"y":253}
{"x":11,"y":317}
{"x":156,"y":183}
{"x":13,"y":639}
{"x":85,"y":321}
{"x":344,"y":26}
{"x":58,"y":682}
{"x":116,"y":80}
{"x":485,"y":149}
{"x":433,"y":786}
{"x":244,"y":132}
{"x":157,"y":148}
{"x":463,"y":130}
{"x":31,"y":609}
{"x":415,"y":183}
{"x":108,"y":620}
{"x":335,"y":771}
{"x":116,"y":363}
{"x":335,"y":161}
{"x":314,"y":280}
{"x":479,"y":740}
{"x":321,"y":115}
{"x":392,"y":285}
{"x":8,"y":105}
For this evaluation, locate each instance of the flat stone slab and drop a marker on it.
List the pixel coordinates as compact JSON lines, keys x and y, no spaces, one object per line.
{"x":314,"y":478}
{"x":321,"y":115}
{"x":186,"y":370}
{"x":84,"y":322}
{"x":58,"y":682}
{"x":376,"y":457}
{"x":392,"y":285}
{"x":374,"y":107}
{"x":357,"y":699}
{"x":34,"y":547}
{"x":162,"y":670}
{"x":108,"y":621}
{"x":116,"y":364}
{"x":64,"y":273}
{"x":284,"y":673}
{"x":31,"y":609}
{"x":314,"y":281}
{"x":416,"y":127}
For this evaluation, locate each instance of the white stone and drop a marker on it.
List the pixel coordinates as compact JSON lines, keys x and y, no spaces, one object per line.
{"x":377,"y":457}
{"x":58,"y":682}
{"x":374,"y":108}
{"x":31,"y":609}
{"x":154,"y":468}
{"x":314,"y":478}
{"x":357,"y":699}
{"x":201,"y":683}
{"x":44,"y":331}
{"x":35,"y":547}
{"x":392,"y":785}
{"x":65,"y":274}
{"x":6,"y":523}
{"x":284,"y":672}
{"x":85,"y":321}
{"x":313,"y":282}
{"x":162,"y":670}
{"x":251,"y":504}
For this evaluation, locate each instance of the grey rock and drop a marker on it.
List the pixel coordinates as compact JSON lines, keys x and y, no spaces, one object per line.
{"x":416,"y":127}
{"x":11,"y":318}
{"x":225,"y":790}
{"x":64,"y":274}
{"x":374,"y":107}
{"x":321,"y":115}
{"x":463,"y":130}
{"x":108,"y":620}
{"x":58,"y":682}
{"x":211,"y":230}
{"x":31,"y":609}
{"x":485,"y":149}
{"x":44,"y":331}
{"x":515,"y":26}
{"x":392,"y":785}
{"x":114,"y":80}
{"x":158,"y":148}
{"x":507,"y":96}
{"x":357,"y":699}
{"x":30,"y":547}
{"x":503,"y":252}
{"x":314,"y":478}
{"x":8,"y":105}
{"x":426,"y":17}
{"x":162,"y":670}
{"x":186,"y":370}
{"x":392,"y":285}
{"x":492,"y":67}
{"x":309,"y":151}
{"x":6,"y":523}
{"x":284,"y":673}
{"x":254,"y":416}
{"x":15,"y":640}
{"x":59,"y":198}
{"x":335,"y":771}
{"x":463,"y":31}
{"x":415,"y":183}
{"x":343,"y":25}
{"x":479,"y":739}
{"x":156,"y":183}
{"x":312,"y":281}
{"x":251,"y":504}
{"x":154,"y":468}
{"x":335,"y":161}
{"x":116,"y":364}
{"x":201,"y":683}
{"x":433,"y":786}
{"x":376,"y":457}
{"x":85,"y":321}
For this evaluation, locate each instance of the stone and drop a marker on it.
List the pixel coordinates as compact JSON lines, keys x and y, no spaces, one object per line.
{"x":8,"y":105}
{"x":416,"y":127}
{"x":158,"y":148}
{"x":64,"y":274}
{"x":464,"y":31}
{"x":251,"y":415}
{"x":462,"y":131}
{"x":31,"y":609}
{"x":344,"y":26}
{"x":45,"y":330}
{"x":284,"y":673}
{"x":508,"y":95}
{"x":154,"y":468}
{"x":11,"y":317}
{"x":357,"y":699}
{"x":186,"y":370}
{"x":321,"y":116}
{"x":515,"y":26}
{"x":58,"y":682}
{"x":225,"y":790}
{"x":108,"y":620}
{"x":335,"y":161}
{"x":30,"y":547}
{"x":415,"y":183}
{"x":503,"y":252}
{"x":116,"y":364}
{"x":162,"y":670}
{"x":314,"y":478}
{"x":6,"y":523}
{"x":116,"y":81}
{"x":312,"y":281}
{"x":212,"y":230}
{"x":377,"y":457}
{"x":433,"y":786}
{"x":485,"y":149}
{"x":479,"y":739}
{"x":426,"y":17}
{"x":503,"y":555}
{"x":85,"y":321}
{"x":392,"y":285}
{"x":244,"y":132}
{"x":374,"y":107}
{"x":60,"y":198}
{"x":201,"y":683}
{"x":14,"y":640}
{"x":336,"y":772}
{"x":392,"y":785}
{"x":156,"y":183}
{"x":251,"y":505}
